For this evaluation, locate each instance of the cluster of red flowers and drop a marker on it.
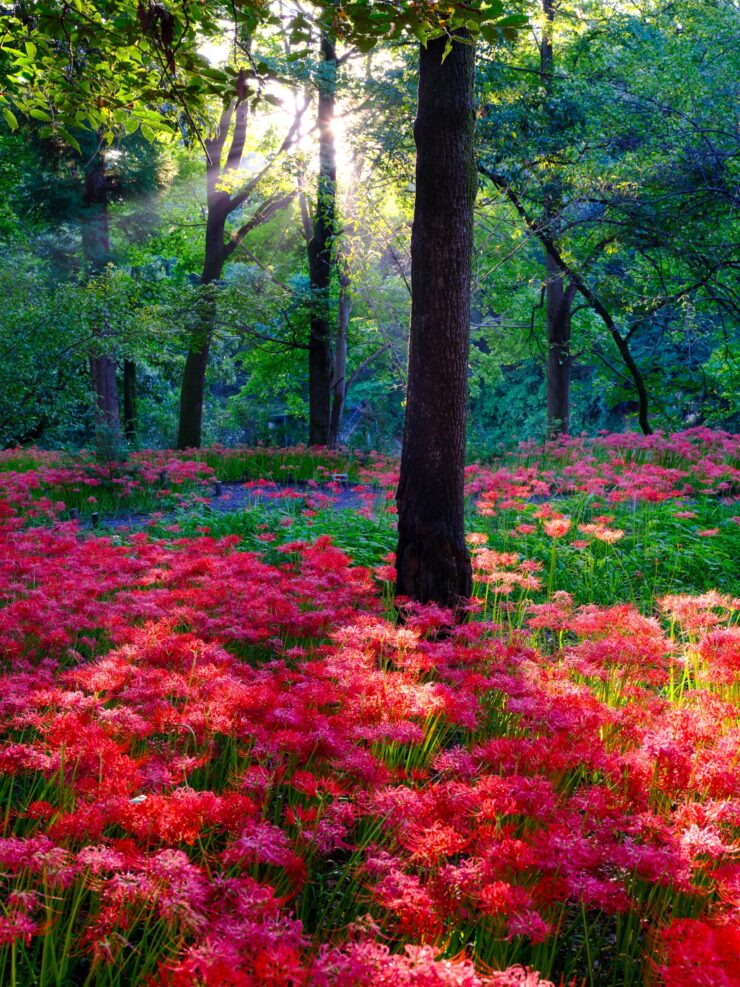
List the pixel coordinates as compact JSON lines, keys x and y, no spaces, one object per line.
{"x":219,"y":771}
{"x":617,"y":468}
{"x":43,"y":484}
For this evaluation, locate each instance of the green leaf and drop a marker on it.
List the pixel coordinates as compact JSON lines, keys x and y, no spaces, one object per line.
{"x":41,"y":115}
{"x":490,"y":33}
{"x":420,"y":32}
{"x":365,"y":44}
{"x":216,"y":74}
{"x":10,"y":118}
{"x":72,"y":141}
{"x":513,"y":20}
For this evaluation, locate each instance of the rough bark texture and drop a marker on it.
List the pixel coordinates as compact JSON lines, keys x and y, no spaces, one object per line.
{"x":558,"y":298}
{"x":130,"y":418}
{"x":105,"y":389}
{"x":432,"y":561}
{"x":320,"y":356}
{"x":546,"y":51}
{"x":96,"y":251}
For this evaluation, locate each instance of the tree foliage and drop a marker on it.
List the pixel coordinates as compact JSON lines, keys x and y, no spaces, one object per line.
{"x":626,"y":157}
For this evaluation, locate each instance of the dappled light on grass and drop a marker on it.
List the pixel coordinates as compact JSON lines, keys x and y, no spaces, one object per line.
{"x":228,"y":766}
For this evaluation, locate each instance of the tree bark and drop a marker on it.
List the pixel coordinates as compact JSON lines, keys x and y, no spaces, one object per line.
{"x":219,"y":207}
{"x":432,"y":560}
{"x":96,"y":251}
{"x":558,"y":300}
{"x":583,"y":288}
{"x":339,"y":377}
{"x":320,"y":247}
{"x":546,"y":48}
{"x":105,"y":389}
{"x":194,"y":376}
{"x":130,"y":418}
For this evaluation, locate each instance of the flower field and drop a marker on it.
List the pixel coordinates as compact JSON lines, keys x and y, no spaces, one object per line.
{"x":224,"y":762}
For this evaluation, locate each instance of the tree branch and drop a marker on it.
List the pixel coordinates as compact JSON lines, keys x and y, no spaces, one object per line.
{"x":366,"y":363}
{"x":290,"y":139}
{"x":234,"y":157}
{"x":265,"y":212}
{"x":214,"y":146}
{"x":583,"y":288}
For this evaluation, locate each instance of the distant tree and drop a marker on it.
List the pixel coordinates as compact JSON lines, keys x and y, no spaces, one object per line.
{"x":95,"y":226}
{"x":624,"y":178}
{"x":222,"y":201}
{"x":320,"y":250}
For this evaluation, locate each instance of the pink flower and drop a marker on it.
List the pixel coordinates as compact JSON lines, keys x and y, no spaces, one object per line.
{"x":557,"y":527}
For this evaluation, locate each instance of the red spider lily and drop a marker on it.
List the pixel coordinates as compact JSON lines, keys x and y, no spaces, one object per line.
{"x":202,"y":749}
{"x":557,"y":527}
{"x":701,"y":953}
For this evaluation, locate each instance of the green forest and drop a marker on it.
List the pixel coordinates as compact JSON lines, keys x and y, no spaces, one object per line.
{"x":369,"y":493}
{"x":188,"y":203}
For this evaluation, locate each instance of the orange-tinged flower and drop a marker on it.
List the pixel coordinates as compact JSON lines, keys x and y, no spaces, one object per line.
{"x":557,"y":527}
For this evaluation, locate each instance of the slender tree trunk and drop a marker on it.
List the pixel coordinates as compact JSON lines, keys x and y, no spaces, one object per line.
{"x":219,"y":207}
{"x":105,"y":389}
{"x":320,"y":357}
{"x":583,"y":288}
{"x":558,"y":300}
{"x":643,"y":398}
{"x":432,"y":560}
{"x":339,"y":378}
{"x":130,"y":418}
{"x":221,"y":204}
{"x":96,"y":251}
{"x":192,"y":391}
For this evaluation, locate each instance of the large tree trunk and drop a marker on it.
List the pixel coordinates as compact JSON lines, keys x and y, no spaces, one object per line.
{"x":320,"y":356}
{"x":96,"y":252}
{"x":191,"y":397}
{"x":432,"y":561}
{"x":339,"y":378}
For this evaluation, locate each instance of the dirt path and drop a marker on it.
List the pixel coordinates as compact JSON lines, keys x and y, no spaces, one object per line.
{"x":230,"y":497}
